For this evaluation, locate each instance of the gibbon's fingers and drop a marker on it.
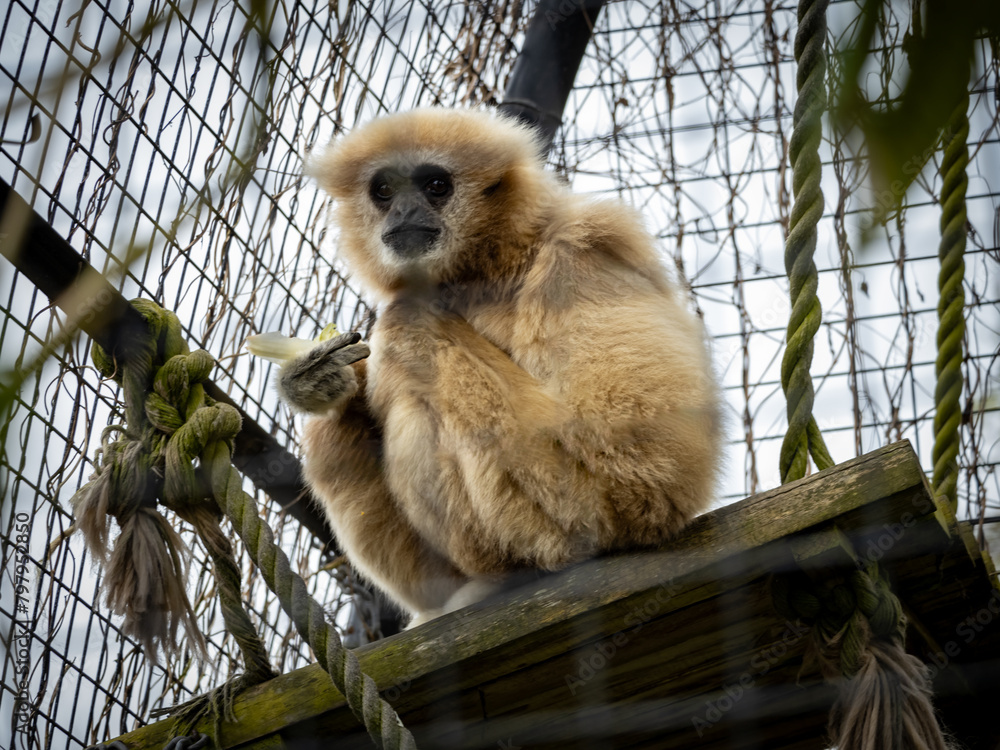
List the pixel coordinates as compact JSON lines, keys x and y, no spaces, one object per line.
{"x":340,"y":341}
{"x":342,"y":350}
{"x":349,"y":354}
{"x":339,"y":351}
{"x":319,"y":379}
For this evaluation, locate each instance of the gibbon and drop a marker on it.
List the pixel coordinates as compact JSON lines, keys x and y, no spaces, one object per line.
{"x":535,"y":390}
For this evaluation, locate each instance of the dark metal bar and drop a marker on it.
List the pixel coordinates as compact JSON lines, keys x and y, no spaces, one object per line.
{"x":545,"y":69}
{"x":62,"y":274}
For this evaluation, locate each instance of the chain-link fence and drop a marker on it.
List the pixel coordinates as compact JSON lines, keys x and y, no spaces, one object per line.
{"x":165,"y":141}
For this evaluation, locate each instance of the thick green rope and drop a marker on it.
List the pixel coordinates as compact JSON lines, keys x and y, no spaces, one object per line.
{"x":176,"y":398}
{"x":951,"y":306}
{"x":172,"y":428}
{"x":208,"y":434}
{"x":359,"y":689}
{"x":161,"y":389}
{"x":803,"y":437}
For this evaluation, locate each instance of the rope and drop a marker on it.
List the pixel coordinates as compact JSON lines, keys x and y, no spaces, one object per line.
{"x":951,"y":306}
{"x":857,"y":639}
{"x":146,"y":570}
{"x":359,"y":689}
{"x":845,"y":615}
{"x":858,"y":625}
{"x":803,"y":437}
{"x":182,"y":428}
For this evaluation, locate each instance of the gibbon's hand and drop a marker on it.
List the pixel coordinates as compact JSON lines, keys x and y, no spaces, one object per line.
{"x":322,"y":377}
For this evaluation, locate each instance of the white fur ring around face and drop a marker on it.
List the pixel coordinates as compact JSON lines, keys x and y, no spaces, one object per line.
{"x":278,"y":348}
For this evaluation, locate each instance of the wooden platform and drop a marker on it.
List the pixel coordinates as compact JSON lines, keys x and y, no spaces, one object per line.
{"x":674,"y":648}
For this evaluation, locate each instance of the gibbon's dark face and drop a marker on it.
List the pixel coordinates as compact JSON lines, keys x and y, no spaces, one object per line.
{"x":411,"y":201}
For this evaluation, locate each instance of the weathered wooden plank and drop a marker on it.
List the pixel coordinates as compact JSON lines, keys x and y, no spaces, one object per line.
{"x":488,"y":662}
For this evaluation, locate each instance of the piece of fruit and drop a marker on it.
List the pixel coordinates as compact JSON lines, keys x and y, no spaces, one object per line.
{"x":278,"y":348}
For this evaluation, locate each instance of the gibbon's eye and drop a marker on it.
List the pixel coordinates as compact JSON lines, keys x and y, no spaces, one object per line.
{"x":434,"y":183}
{"x":382,"y":191}
{"x":437,"y":187}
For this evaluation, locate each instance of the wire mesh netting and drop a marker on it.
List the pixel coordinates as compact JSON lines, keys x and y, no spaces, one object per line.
{"x":165,"y":141}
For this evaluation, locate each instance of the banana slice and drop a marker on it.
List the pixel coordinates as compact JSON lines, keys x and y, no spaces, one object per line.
{"x":278,"y":348}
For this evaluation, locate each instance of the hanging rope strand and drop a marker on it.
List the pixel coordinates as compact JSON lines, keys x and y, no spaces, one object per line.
{"x":951,"y":306}
{"x":207,"y":434}
{"x":858,"y":626}
{"x":803,"y":437}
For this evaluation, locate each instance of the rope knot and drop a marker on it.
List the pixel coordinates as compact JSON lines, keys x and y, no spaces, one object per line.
{"x":206,"y":425}
{"x":147,"y":567}
{"x":847,"y":612}
{"x":175,"y":393}
{"x":857,"y":634}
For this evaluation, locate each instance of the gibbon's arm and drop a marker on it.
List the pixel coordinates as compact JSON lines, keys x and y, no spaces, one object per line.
{"x":465,"y":431}
{"x":343,"y":466}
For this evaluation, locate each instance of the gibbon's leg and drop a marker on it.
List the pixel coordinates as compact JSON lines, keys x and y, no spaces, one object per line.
{"x":474,"y":441}
{"x":343,"y":467}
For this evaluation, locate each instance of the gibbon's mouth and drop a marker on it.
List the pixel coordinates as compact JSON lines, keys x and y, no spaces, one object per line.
{"x":410,"y":241}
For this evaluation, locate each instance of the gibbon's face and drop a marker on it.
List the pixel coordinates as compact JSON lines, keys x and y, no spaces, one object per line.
{"x":411,"y":202}
{"x":433,"y":195}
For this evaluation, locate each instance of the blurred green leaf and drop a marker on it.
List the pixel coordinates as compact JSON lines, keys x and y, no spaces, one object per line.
{"x":903,"y":135}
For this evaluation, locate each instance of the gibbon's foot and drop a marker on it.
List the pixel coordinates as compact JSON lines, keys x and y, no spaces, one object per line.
{"x":322,"y":377}
{"x":421,"y":617}
{"x":474,"y":591}
{"x":470,"y":592}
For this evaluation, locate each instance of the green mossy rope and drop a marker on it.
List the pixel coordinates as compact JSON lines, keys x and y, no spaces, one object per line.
{"x":360,"y":690}
{"x":858,"y":625}
{"x":176,"y":401}
{"x":803,"y":437}
{"x":161,"y":389}
{"x":951,"y":306}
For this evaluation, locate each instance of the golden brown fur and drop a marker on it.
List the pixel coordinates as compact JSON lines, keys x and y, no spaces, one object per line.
{"x":537,"y":391}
